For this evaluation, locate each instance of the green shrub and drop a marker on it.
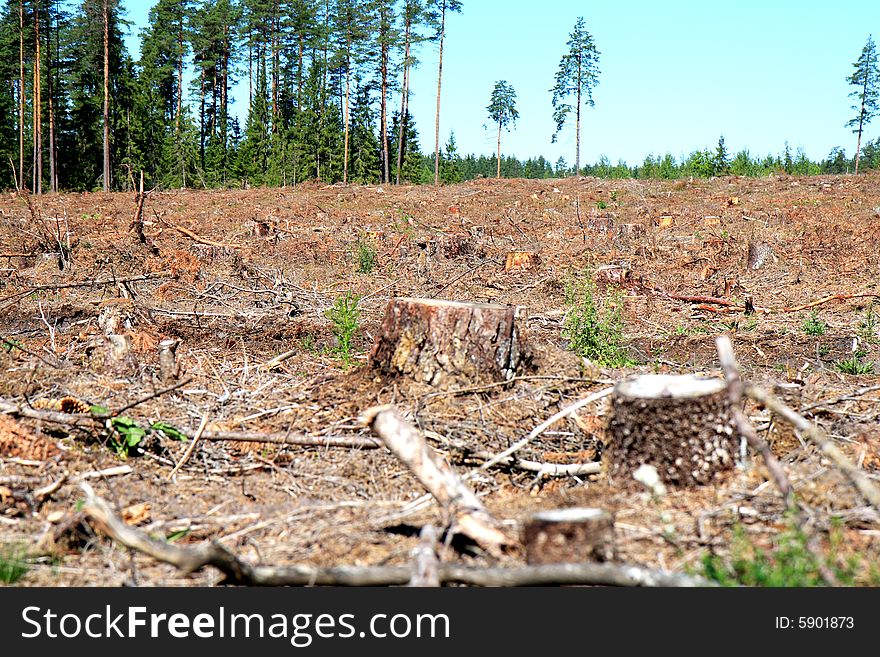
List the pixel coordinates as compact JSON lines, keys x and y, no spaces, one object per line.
{"x":813,"y":325}
{"x":789,"y":564}
{"x":366,"y":257}
{"x":868,"y":327}
{"x":595,"y":336}
{"x":346,"y":322}
{"x":12,"y":563}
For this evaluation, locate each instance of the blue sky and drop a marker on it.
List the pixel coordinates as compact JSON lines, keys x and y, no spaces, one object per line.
{"x":674,"y":75}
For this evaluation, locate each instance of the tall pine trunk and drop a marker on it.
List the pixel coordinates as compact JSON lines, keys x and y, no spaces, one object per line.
{"x":861,"y":121}
{"x":498,"y":175}
{"x":53,"y":173}
{"x":21,"y":94}
{"x":577,"y":129}
{"x":38,"y":107}
{"x":439,"y":82}
{"x":106,"y":95}
{"x":386,"y":175}
{"x":346,"y":110}
{"x":404,"y":101}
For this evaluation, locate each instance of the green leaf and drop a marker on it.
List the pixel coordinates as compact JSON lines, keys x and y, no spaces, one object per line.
{"x":176,"y":536}
{"x":99,"y":410}
{"x":172,"y":432}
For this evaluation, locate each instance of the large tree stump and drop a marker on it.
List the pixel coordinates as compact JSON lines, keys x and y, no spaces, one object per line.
{"x":680,"y":424}
{"x":569,"y":536}
{"x":447,"y":343}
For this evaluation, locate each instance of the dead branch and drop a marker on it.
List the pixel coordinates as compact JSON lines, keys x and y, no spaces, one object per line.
{"x":815,"y":435}
{"x":92,"y":283}
{"x":546,"y":424}
{"x":407,"y":444}
{"x":735,"y":390}
{"x":191,"y":448}
{"x":191,"y":559}
{"x":55,"y":417}
{"x":351,"y":442}
{"x":426,"y":565}
{"x":824,"y":300}
{"x":203,"y":240}
{"x":849,"y":396}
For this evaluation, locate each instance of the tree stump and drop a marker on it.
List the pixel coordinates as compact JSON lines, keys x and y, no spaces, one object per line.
{"x":680,"y":424}
{"x":569,"y":536}
{"x":521,"y":260}
{"x":446,"y":343}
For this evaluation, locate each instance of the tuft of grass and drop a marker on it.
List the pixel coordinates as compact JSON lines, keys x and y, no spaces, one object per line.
{"x":855,"y":365}
{"x":13,"y":565}
{"x":813,"y":325}
{"x":591,"y":334}
{"x":790,"y":563}
{"x":345,"y":316}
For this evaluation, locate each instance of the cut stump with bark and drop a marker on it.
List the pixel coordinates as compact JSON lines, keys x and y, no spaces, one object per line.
{"x":680,"y":424}
{"x":575,"y":535}
{"x":447,"y":343}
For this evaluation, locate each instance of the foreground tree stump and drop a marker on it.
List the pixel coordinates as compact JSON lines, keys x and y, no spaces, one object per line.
{"x":446,"y":343}
{"x":681,"y":425}
{"x":569,"y":536}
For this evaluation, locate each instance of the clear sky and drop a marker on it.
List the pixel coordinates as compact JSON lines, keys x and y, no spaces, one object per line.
{"x":674,"y":75}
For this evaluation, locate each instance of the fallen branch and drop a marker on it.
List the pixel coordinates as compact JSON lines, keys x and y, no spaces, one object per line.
{"x":849,"y":396}
{"x":92,"y":283}
{"x":426,"y":565}
{"x":191,"y":448}
{"x":736,"y":390}
{"x":815,"y":435}
{"x":203,"y":240}
{"x":403,"y":440}
{"x":546,"y":424}
{"x":824,"y":300}
{"x":351,"y":442}
{"x":191,"y":559}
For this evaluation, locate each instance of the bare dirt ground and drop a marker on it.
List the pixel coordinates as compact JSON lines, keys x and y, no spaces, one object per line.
{"x":252,"y":274}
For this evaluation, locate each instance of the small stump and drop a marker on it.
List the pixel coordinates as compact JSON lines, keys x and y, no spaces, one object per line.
{"x":447,"y":343}
{"x":679,"y":424}
{"x":569,"y":536}
{"x":521,"y":260}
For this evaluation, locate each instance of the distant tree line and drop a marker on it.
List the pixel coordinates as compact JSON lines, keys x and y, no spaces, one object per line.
{"x":328,"y":85}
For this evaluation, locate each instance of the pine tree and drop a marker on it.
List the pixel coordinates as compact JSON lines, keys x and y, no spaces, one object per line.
{"x":437,"y":12}
{"x":577,"y":75}
{"x":866,"y":79}
{"x":721,"y":159}
{"x":450,"y":163}
{"x":98,"y":71}
{"x":364,"y":146}
{"x":502,"y":110}
{"x":350,"y":34}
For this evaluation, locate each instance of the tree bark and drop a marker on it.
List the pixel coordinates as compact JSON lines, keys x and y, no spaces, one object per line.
{"x":681,"y":425}
{"x":106,"y":96}
{"x":577,"y":129}
{"x":38,"y":106}
{"x":439,"y":83}
{"x":445,"y":343}
{"x":53,"y":173}
{"x":498,"y":174}
{"x":383,"y":71}
{"x":404,"y":102}
{"x":21,"y":94}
